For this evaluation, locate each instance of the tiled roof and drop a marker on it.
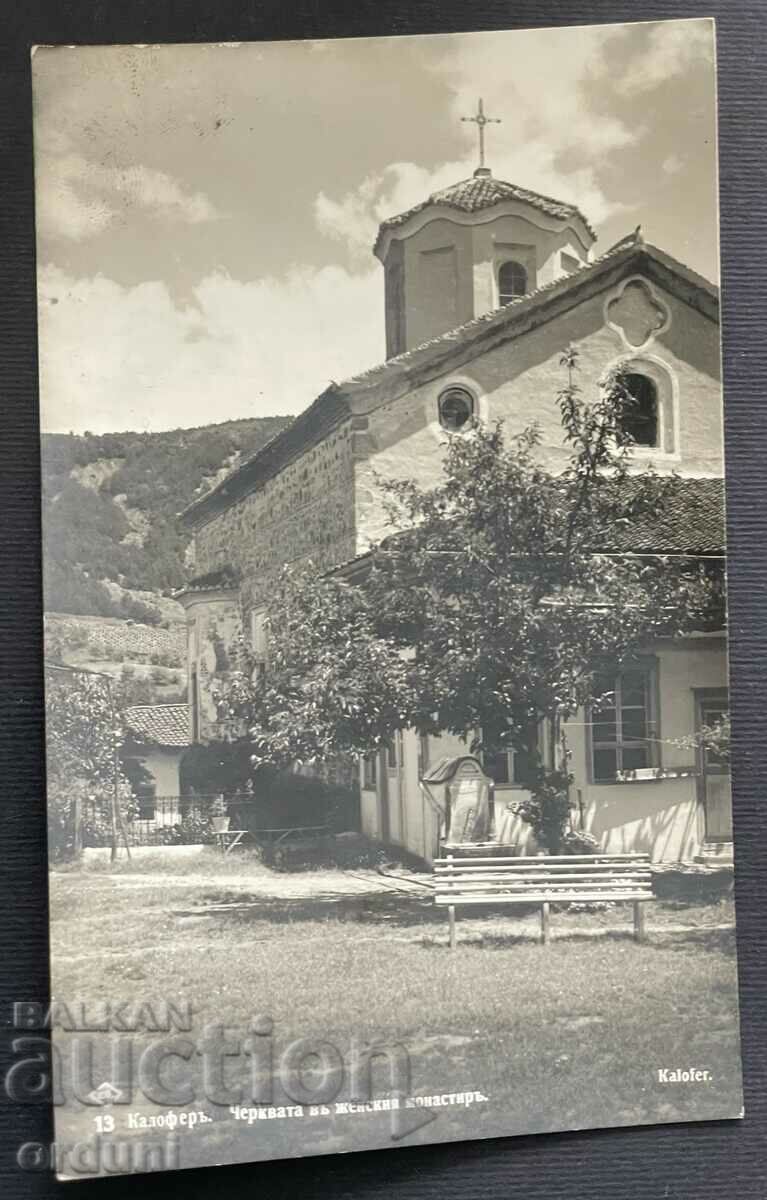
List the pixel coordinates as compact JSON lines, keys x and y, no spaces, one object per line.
{"x":223,"y":580}
{"x":483,"y":191}
{"x":396,"y":375}
{"x":691,"y":521}
{"x":162,"y":724}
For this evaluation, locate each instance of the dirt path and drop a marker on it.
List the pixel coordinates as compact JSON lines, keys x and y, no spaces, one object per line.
{"x":259,"y":881}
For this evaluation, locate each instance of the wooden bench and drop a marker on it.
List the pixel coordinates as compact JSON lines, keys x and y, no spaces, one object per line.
{"x":581,"y":879}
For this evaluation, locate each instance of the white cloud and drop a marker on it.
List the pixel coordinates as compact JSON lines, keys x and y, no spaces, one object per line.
{"x":352,"y":219}
{"x":534,"y":81}
{"x":77,"y":199}
{"x":355,"y":217}
{"x":115,"y":357}
{"x":543,"y":130}
{"x":672,"y":47}
{"x":672,"y":164}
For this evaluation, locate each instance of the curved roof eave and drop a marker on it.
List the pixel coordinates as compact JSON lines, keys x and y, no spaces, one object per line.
{"x":354,"y":395}
{"x":481,"y":195}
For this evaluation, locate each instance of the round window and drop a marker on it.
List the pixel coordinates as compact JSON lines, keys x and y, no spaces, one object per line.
{"x":456,"y":409}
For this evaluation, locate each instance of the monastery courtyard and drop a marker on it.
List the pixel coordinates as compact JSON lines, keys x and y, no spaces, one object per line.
{"x":233,"y":938}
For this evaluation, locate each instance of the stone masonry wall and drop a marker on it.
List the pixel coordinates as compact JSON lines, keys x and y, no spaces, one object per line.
{"x":305,"y":513}
{"x":115,"y":639}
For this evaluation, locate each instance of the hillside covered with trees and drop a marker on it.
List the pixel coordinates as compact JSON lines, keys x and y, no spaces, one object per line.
{"x":110,"y":505}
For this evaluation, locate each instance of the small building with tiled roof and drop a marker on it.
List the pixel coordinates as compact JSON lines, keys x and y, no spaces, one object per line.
{"x":156,"y":737}
{"x":486,"y":283}
{"x":164,"y":725}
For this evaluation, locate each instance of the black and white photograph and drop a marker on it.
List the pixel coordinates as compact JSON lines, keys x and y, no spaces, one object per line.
{"x":386,"y":662}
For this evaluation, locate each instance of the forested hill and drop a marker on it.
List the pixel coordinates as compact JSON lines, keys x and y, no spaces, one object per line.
{"x":110,"y":503}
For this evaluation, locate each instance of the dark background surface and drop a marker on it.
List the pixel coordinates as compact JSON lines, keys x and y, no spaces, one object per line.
{"x":727,"y":1159}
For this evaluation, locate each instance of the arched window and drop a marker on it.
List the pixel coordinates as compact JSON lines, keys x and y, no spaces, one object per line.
{"x":640,"y":420}
{"x":456,"y":409}
{"x":512,"y":281}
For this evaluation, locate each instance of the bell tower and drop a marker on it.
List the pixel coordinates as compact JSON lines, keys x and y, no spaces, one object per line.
{"x":471,"y":248}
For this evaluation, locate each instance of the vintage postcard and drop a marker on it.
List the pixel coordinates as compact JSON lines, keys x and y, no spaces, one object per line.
{"x":388,"y":741}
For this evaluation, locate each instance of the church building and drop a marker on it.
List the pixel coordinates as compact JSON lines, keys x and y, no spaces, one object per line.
{"x":485,"y":284}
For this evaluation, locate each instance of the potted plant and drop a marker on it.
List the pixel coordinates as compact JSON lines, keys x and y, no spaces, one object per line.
{"x":219,"y":815}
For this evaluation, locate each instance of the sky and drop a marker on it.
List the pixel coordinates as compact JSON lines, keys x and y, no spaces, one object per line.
{"x":205,"y":214}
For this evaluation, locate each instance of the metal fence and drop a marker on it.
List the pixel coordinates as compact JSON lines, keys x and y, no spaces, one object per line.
{"x":191,"y":820}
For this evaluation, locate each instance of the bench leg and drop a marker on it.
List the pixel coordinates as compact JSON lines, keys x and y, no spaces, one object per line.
{"x":451,"y":916}
{"x":545,"y":922}
{"x":639,"y":926}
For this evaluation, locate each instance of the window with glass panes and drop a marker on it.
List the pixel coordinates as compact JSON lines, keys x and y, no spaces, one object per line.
{"x":640,"y":419}
{"x":513,"y":768}
{"x":623,"y":733}
{"x":512,"y":281}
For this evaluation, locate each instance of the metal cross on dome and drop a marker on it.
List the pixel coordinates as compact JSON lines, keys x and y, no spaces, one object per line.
{"x":480,"y":120}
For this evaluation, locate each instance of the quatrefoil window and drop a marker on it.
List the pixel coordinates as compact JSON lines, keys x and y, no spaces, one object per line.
{"x":637,"y":313}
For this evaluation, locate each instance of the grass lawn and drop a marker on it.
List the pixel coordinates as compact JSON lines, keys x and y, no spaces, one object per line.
{"x":570,"y":1035}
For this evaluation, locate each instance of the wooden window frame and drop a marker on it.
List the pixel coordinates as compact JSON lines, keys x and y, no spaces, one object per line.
{"x":512,"y":262}
{"x":657,"y":444}
{"x":649,"y":668}
{"x":512,"y":757}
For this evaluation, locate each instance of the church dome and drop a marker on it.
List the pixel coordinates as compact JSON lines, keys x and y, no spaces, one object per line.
{"x":470,"y":248}
{"x":479,"y":192}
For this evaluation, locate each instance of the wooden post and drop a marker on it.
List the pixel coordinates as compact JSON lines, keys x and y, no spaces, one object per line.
{"x":120,"y":818}
{"x":77,"y":824}
{"x":639,"y":926}
{"x":113,"y":819}
{"x":451,"y":907}
{"x":545,"y":924}
{"x":118,"y":821}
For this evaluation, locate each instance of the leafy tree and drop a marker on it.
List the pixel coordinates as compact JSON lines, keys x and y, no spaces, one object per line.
{"x":83,"y":738}
{"x":335,"y":683}
{"x":496,"y":605}
{"x":714,"y":739}
{"x":211,"y":768}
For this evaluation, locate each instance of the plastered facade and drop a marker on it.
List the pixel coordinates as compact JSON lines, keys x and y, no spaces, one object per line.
{"x":662,"y":817}
{"x":444,"y":271}
{"x":325,"y":506}
{"x":518,"y":383}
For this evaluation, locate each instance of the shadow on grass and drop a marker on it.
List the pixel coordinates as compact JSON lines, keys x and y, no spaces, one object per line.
{"x":387,"y":908}
{"x":409,"y":910}
{"x":721,"y":940}
{"x":712,"y":940}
